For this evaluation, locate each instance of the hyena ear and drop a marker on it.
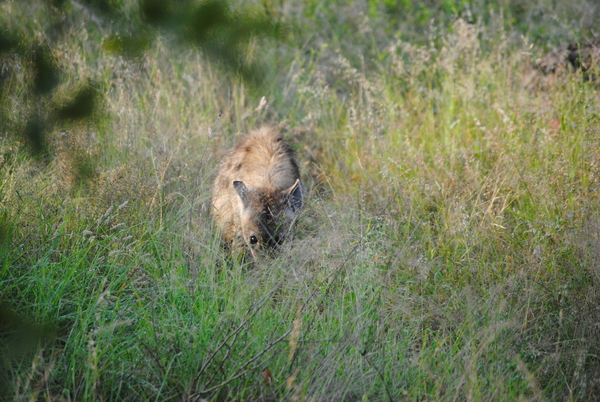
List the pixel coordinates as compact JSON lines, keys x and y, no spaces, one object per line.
{"x":242,"y":191}
{"x":295,"y":195}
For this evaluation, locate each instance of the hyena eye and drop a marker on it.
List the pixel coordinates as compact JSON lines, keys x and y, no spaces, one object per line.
{"x":253,"y":239}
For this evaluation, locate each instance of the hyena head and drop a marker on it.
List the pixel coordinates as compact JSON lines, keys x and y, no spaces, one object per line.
{"x":267,"y":214}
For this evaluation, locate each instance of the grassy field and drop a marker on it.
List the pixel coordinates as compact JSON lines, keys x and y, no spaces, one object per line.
{"x":449,"y":248}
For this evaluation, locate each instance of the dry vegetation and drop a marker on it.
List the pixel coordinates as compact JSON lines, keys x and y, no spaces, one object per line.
{"x":448,"y":249}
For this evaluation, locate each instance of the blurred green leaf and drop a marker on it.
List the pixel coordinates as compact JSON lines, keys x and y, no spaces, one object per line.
{"x":35,"y":136}
{"x":80,"y":106}
{"x":18,"y":338}
{"x":8,"y":41}
{"x":129,"y":46}
{"x":46,"y":73}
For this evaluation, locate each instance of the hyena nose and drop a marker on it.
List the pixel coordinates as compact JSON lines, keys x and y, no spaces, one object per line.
{"x":277,"y":241}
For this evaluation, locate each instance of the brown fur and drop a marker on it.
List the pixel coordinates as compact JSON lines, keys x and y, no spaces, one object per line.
{"x":583,"y":57}
{"x":257,"y":192}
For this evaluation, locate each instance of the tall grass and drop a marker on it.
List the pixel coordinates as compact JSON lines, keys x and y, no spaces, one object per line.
{"x":448,"y":250}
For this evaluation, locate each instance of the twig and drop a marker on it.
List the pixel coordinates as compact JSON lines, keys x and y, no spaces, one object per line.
{"x":256,"y":307}
{"x":241,"y":371}
{"x":380,"y":374}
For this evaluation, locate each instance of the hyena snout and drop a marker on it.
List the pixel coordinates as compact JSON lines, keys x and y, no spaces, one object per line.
{"x":268,"y":215}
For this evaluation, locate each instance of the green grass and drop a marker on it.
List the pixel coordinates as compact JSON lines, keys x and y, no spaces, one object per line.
{"x":448,"y":249}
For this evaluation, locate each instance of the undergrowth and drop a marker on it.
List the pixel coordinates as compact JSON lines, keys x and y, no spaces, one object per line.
{"x":448,"y":249}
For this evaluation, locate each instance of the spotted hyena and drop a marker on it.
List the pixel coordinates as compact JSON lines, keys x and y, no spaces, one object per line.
{"x":257,"y":193}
